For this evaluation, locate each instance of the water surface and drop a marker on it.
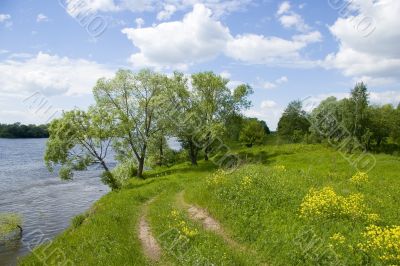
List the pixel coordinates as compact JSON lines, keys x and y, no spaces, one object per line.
{"x":46,"y":203}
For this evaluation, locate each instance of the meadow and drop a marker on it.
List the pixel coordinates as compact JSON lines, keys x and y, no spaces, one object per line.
{"x":289,"y":204}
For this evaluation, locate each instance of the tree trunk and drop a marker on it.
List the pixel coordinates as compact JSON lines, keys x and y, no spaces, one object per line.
{"x":140,"y":167}
{"x":192,"y":153}
{"x":160,"y":163}
{"x":103,"y":164}
{"x":207,"y":148}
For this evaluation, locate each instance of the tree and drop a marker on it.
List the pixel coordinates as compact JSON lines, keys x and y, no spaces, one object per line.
{"x":252,"y":133}
{"x":133,"y":99}
{"x":215,"y":102}
{"x":325,"y":119}
{"x":265,"y":127}
{"x":293,"y":122}
{"x":380,"y":122}
{"x":182,"y":113}
{"x":79,"y":139}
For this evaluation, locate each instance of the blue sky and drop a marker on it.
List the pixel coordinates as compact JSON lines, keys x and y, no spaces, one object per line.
{"x":52,"y":52}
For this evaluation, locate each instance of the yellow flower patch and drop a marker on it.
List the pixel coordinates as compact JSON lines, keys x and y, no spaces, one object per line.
{"x":359,"y":178}
{"x":219,"y":177}
{"x":325,"y":203}
{"x":383,"y":243}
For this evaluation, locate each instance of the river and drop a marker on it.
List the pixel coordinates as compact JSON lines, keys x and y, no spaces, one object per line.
{"x":46,"y":203}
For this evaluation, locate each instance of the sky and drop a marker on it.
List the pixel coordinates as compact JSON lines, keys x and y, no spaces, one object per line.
{"x":52,"y":52}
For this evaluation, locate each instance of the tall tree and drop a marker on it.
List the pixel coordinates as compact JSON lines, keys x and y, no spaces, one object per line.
{"x":215,"y":103}
{"x":133,"y":99}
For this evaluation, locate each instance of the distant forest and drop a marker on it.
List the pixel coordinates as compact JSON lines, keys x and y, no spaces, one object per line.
{"x":17,"y":130}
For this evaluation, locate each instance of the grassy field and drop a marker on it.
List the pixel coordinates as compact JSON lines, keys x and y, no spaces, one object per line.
{"x":291,"y":204}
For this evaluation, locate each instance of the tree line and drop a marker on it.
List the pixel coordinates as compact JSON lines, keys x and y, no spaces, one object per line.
{"x":136,"y":113}
{"x":353,"y":121}
{"x":18,"y":130}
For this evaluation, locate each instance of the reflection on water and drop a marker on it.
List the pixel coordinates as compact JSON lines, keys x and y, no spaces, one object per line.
{"x":46,"y":203}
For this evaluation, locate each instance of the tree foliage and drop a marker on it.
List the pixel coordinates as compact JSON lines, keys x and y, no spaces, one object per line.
{"x":17,"y":130}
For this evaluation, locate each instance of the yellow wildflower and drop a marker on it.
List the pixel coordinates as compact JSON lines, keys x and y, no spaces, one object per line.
{"x":359,"y":178}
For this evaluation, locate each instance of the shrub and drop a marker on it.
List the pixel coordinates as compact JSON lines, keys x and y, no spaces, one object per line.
{"x":110,"y":180}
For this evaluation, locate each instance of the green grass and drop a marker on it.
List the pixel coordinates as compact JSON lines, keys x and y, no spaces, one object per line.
{"x":262,"y":214}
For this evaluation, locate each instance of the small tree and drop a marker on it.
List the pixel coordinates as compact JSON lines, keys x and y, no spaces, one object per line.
{"x":79,"y":139}
{"x":252,"y":133}
{"x":294,"y":121}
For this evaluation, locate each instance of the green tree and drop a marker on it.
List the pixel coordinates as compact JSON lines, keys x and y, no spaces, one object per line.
{"x":215,"y":103}
{"x":252,"y":133}
{"x":293,"y":121}
{"x":79,"y":139}
{"x":134,"y":101}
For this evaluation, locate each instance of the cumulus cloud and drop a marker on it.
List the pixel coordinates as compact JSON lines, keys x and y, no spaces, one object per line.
{"x":41,"y":18}
{"x":196,"y":38}
{"x":291,"y":19}
{"x":259,"y":49}
{"x":200,"y":37}
{"x":167,"y":12}
{"x":368,"y":41}
{"x":50,"y":75}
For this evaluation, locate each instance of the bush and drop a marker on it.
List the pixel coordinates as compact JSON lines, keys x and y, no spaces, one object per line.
{"x":109,"y":179}
{"x":124,"y":171}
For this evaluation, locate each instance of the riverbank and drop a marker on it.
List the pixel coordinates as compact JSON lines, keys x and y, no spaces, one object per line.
{"x":290,"y":204}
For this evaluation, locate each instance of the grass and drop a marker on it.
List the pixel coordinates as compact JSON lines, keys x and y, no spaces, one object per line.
{"x":259,"y":205}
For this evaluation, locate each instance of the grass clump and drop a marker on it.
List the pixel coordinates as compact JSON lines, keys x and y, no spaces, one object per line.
{"x":9,"y":223}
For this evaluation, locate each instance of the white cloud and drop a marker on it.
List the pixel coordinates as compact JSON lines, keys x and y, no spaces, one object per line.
{"x":4,"y":17}
{"x":282,"y":79}
{"x":270,"y":85}
{"x":166,"y":13}
{"x":164,"y":8}
{"x":200,"y":37}
{"x":225,"y":74}
{"x":41,"y":18}
{"x":139,"y":22}
{"x":268,"y":104}
{"x":50,"y":75}
{"x":260,"y":49}
{"x":284,"y":7}
{"x":368,"y":41}
{"x":178,"y":44}
{"x":6,"y":20}
{"x":291,"y":19}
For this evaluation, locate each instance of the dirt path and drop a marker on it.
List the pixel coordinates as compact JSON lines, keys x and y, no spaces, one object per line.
{"x":209,"y":223}
{"x":151,"y":248}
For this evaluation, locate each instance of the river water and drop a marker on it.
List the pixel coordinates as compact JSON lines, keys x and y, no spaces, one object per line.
{"x":46,"y":203}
